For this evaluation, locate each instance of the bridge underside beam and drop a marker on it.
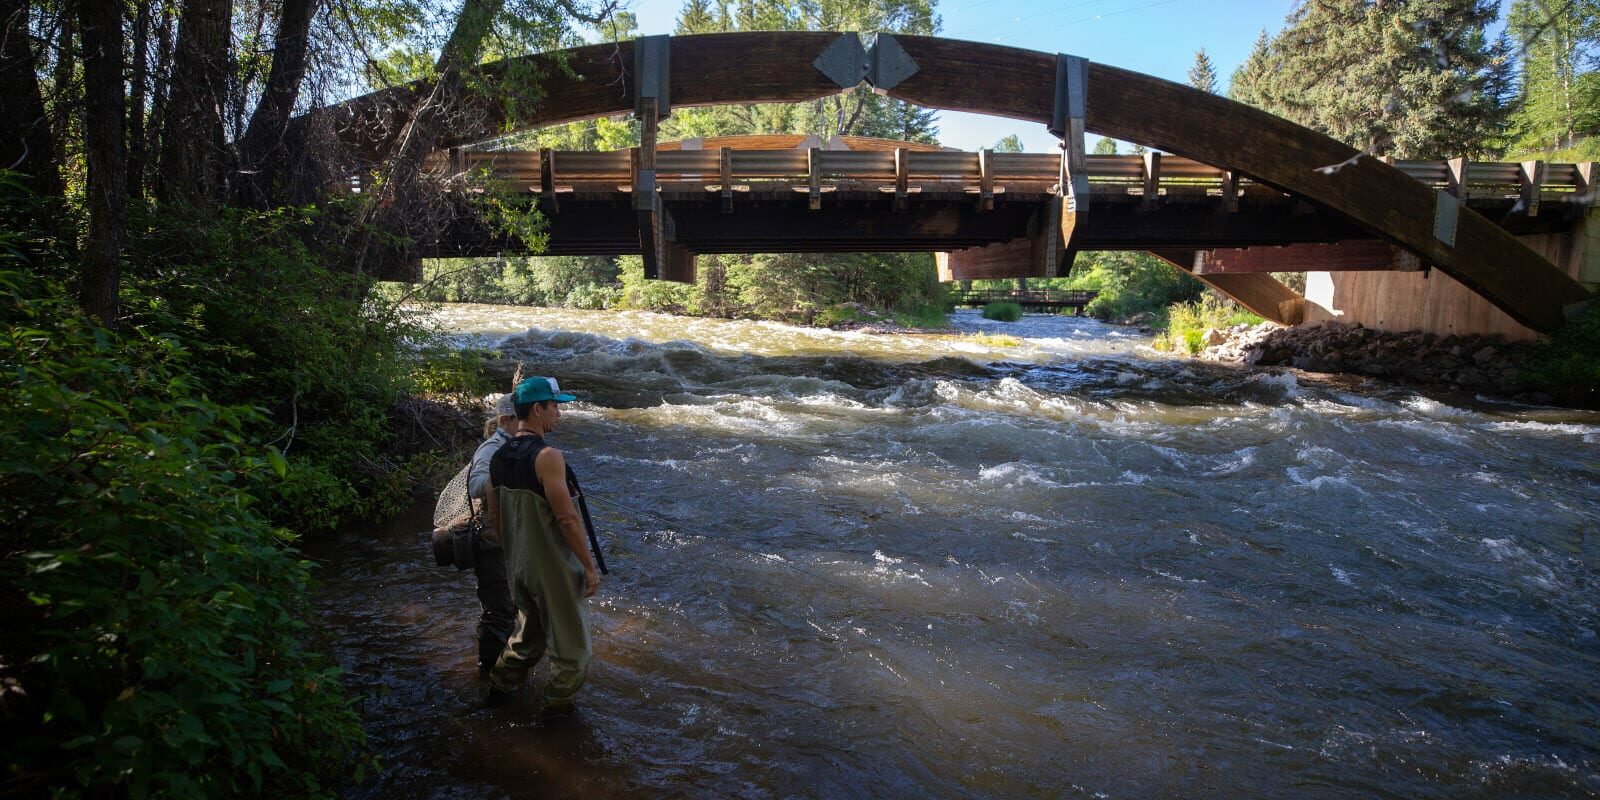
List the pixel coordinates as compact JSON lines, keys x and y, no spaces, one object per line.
{"x":1369,"y":255}
{"x":1262,"y":294}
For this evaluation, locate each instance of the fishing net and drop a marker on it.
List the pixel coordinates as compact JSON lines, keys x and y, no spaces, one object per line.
{"x":454,"y":508}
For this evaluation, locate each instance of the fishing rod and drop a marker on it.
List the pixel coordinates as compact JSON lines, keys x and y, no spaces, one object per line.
{"x":588,"y":522}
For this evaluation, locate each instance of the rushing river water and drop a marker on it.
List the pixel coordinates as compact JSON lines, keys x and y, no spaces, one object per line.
{"x":855,"y":565}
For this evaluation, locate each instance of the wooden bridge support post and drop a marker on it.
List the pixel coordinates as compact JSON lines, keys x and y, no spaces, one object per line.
{"x":547,"y":180}
{"x":985,"y":180}
{"x":901,"y":179}
{"x":1152,"y":181}
{"x":651,"y":65}
{"x":1067,"y":123}
{"x":1531,"y":183}
{"x":727,"y":180}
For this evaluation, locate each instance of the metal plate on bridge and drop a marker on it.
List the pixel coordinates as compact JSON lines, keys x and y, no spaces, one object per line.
{"x":891,"y":64}
{"x":844,"y":62}
{"x":1446,"y":211}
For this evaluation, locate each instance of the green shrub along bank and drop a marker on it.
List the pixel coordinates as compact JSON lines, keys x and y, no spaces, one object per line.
{"x":160,"y":640}
{"x":799,"y":288}
{"x":1004,"y":312}
{"x":156,"y":620}
{"x":1187,"y":323}
{"x":1567,"y":365}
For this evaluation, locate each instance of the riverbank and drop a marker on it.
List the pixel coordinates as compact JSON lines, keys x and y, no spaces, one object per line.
{"x":1472,"y":363}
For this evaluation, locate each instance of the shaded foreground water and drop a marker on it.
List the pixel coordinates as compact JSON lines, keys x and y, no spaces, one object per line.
{"x":931,"y":567}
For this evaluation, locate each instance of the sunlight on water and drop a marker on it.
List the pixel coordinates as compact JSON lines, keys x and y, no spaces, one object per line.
{"x":859,"y":565}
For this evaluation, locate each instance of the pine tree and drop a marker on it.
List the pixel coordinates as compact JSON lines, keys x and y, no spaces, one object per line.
{"x":1010,"y":144}
{"x":1203,"y":75}
{"x":1560,"y":100}
{"x":697,"y":17}
{"x":1251,"y":79}
{"x":1418,"y":79}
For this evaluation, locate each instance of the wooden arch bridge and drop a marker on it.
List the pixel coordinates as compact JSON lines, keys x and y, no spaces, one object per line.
{"x":1232,"y":178}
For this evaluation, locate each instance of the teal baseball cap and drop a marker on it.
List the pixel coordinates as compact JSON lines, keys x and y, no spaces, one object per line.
{"x":536,"y":389}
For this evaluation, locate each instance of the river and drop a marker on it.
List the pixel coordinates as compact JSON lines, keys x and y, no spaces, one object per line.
{"x":1057,"y":565}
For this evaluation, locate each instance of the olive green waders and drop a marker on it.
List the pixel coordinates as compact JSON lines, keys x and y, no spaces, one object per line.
{"x":547,"y":586}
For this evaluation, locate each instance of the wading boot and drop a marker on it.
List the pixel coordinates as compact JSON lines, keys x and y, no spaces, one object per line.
{"x":497,"y":698}
{"x":559,"y":711}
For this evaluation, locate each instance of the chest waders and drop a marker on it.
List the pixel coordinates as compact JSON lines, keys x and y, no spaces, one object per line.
{"x":546,"y":580}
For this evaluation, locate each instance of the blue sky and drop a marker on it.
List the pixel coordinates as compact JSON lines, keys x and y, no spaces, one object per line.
{"x":1157,"y":37}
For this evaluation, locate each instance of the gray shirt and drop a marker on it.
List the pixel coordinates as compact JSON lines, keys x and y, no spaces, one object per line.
{"x":478,"y":476}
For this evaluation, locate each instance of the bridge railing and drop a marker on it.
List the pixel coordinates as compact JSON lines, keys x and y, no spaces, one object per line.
{"x":912,"y":171}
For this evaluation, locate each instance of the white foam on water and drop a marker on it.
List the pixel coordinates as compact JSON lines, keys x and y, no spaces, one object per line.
{"x":1023,"y":516}
{"x":1547,"y":428}
{"x":1015,"y":474}
{"x":1021,"y":611}
{"x":1341,"y":575}
{"x":1502,"y":549}
{"x":1242,"y":460}
{"x":1178,"y":578}
{"x":1023,"y":537}
{"x":1320,"y":482}
{"x":1282,"y":380}
{"x":1134,"y":478}
{"x":1428,"y":407}
{"x":885,"y":568}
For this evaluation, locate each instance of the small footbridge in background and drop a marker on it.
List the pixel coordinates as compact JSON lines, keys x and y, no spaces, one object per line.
{"x":1235,"y":194}
{"x":1050,"y":300}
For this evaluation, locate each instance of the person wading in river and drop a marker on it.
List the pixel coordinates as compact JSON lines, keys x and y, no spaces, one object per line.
{"x":489,"y":559}
{"x":551,"y":569}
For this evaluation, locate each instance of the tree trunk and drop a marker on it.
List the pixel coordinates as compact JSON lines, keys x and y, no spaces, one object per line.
{"x":25,"y":143}
{"x":139,"y":82}
{"x":101,"y":32}
{"x":263,"y":156}
{"x":159,"y":84}
{"x":192,"y":145}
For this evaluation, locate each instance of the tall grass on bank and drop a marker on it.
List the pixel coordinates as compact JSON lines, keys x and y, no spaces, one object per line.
{"x":1003,"y":312}
{"x":1187,"y":323}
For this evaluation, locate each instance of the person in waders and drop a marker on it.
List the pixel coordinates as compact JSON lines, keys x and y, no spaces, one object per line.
{"x":489,"y":559}
{"x":548,"y":561}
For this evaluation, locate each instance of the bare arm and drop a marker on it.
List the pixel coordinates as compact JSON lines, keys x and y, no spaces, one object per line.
{"x":551,"y":467}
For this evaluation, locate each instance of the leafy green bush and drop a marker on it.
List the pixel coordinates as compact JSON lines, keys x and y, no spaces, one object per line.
{"x":1004,"y":312}
{"x":1567,"y":365}
{"x":1134,"y":283}
{"x":840,"y":314}
{"x":1187,"y":323}
{"x":156,"y":638}
{"x":268,"y":325}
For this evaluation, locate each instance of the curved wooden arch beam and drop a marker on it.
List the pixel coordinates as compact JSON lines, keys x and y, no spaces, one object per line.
{"x":1215,"y":130}
{"x":597,"y":80}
